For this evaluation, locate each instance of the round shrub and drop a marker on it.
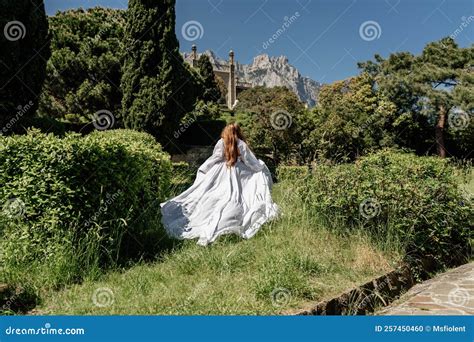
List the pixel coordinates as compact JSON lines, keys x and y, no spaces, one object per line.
{"x":95,"y":198}
{"x":416,"y":199}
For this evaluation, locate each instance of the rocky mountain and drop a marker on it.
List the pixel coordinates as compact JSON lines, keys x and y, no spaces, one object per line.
{"x":271,"y":72}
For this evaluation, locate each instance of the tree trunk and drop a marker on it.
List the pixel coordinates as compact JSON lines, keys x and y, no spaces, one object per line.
{"x":439,"y":133}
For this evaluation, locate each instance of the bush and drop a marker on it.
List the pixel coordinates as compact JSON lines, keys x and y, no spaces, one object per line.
{"x":394,"y":194}
{"x":49,"y":125}
{"x":292,"y":173}
{"x":76,"y":204}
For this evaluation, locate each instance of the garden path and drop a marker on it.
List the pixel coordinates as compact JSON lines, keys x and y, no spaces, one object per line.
{"x":449,"y":293}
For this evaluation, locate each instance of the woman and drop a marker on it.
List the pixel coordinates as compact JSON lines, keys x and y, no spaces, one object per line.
{"x":231,"y":194}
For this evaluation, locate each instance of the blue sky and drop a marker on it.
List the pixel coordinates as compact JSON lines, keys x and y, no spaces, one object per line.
{"x":324,"y":39}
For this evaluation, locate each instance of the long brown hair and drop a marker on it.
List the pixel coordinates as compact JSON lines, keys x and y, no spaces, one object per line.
{"x":230,"y":134}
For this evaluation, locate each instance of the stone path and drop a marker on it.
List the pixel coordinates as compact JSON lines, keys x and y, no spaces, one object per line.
{"x":450,"y":293}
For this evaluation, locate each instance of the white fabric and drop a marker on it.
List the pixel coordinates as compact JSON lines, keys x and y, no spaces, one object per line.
{"x":222,"y":200}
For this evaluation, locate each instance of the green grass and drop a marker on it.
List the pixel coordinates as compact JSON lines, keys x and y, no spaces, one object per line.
{"x":290,"y":263}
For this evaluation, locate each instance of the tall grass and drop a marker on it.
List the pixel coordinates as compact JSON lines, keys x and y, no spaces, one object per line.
{"x":293,"y":261}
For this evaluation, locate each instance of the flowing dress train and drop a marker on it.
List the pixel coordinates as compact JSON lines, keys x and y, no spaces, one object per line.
{"x":222,"y":200}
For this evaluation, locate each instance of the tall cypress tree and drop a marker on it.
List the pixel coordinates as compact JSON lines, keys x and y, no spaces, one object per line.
{"x":209,"y":83}
{"x":24,"y":50}
{"x":158,"y":88}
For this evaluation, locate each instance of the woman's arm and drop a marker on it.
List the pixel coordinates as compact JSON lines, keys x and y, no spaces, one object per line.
{"x":249,"y":158}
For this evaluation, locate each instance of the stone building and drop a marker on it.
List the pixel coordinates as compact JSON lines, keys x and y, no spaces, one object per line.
{"x":228,"y":75}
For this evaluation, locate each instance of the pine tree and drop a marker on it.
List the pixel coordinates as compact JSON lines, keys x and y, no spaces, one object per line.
{"x":84,"y":71}
{"x":426,"y":89}
{"x":24,"y":50}
{"x":209,"y":83}
{"x":158,"y":88}
{"x":442,"y":68}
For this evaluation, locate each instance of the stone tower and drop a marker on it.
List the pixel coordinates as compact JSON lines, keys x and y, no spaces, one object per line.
{"x":227,"y":75}
{"x":194,"y":56}
{"x":232,"y":86}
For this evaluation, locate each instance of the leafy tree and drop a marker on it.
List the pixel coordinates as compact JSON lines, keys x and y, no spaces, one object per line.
{"x":24,"y":51}
{"x":270,"y":118}
{"x":212,"y":92}
{"x":427,"y":89}
{"x":158,"y":87}
{"x":351,"y":119}
{"x":83,"y":73}
{"x":222,"y":89}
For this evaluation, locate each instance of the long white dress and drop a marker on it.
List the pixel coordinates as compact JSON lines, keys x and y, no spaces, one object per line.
{"x":223,"y":199}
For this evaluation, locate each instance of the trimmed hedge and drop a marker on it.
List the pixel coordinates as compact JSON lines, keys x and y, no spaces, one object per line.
{"x":95,"y":197}
{"x":416,"y":199}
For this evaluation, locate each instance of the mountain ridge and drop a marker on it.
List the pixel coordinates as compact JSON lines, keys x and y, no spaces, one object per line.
{"x":270,"y":71}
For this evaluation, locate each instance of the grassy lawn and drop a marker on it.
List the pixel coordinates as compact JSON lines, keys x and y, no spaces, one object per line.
{"x":292,"y":262}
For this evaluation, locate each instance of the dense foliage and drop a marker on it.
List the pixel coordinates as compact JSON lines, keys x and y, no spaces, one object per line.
{"x":83,"y":73}
{"x":414,"y":200}
{"x":351,"y":119}
{"x":75,"y":204}
{"x":158,"y":87}
{"x":292,"y":173}
{"x":24,"y":50}
{"x":434,"y":95}
{"x":423,"y":103}
{"x":273,"y":120}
